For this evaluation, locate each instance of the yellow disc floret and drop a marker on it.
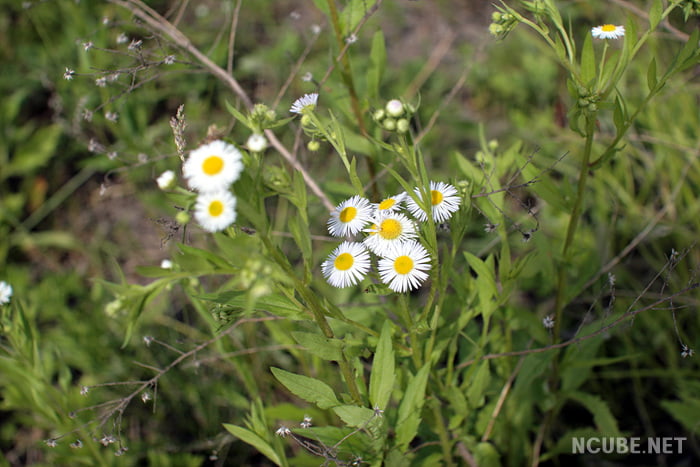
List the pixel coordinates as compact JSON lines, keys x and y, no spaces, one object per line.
{"x":390,"y":229}
{"x":435,"y":197}
{"x":216,"y":208}
{"x":344,"y":262}
{"x":386,"y":204}
{"x":403,"y":264}
{"x":212,"y":165}
{"x":347,"y":214}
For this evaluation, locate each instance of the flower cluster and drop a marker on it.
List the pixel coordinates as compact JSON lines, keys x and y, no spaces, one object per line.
{"x":394,"y":116}
{"x":391,"y":235}
{"x":210,"y":170}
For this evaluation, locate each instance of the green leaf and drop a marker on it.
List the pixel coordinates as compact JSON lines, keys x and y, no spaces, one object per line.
{"x":381,"y":381}
{"x":602,"y":416}
{"x":377,"y":63}
{"x":353,"y":415}
{"x":486,"y":455}
{"x":254,"y":440}
{"x":309,"y":389}
{"x":35,"y":152}
{"x":485,"y":282}
{"x":353,"y":13}
{"x":478,"y":385}
{"x":320,"y":346}
{"x":655,"y":13}
{"x":652,"y":80}
{"x":686,"y":412}
{"x":588,"y":65}
{"x":409,"y":414}
{"x":619,"y":115}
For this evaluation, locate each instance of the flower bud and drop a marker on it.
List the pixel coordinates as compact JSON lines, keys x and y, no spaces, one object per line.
{"x":394,"y":108}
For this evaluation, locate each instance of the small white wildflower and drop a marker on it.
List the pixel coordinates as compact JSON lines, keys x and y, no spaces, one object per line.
{"x":122,"y":38}
{"x":103,"y":190}
{"x":135,"y":44}
{"x":306,"y":423}
{"x":608,"y":31}
{"x":52,"y":443}
{"x":295,"y":15}
{"x":307,"y":77}
{"x":687,"y":352}
{"x":84,"y":390}
{"x":378,"y":412}
{"x":101,"y":82}
{"x":113,"y":77}
{"x":166,"y":264}
{"x":169,"y":60}
{"x":351,"y":39}
{"x":87,"y":115}
{"x":315,"y":29}
{"x":106,"y":440}
{"x":548,"y":321}
{"x":256,"y":142}
{"x":283,"y":431}
{"x":611,"y":279}
{"x":489,"y":227}
{"x":145,"y":397}
{"x":68,"y":74}
{"x":87,"y":45}
{"x":166,"y":180}
{"x":121,"y":451}
{"x":307,"y":102}
{"x":5,"y":292}
{"x":95,"y":146}
{"x":147,"y":340}
{"x":111,"y":155}
{"x":77,"y":444}
{"x":112,"y":116}
{"x":105,"y":20}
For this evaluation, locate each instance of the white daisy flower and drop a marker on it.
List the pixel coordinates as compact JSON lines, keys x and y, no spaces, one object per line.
{"x":166,"y":264}
{"x":346,"y":265}
{"x":215,"y":210}
{"x":350,"y":217}
{"x":166,"y":180}
{"x":307,"y":102}
{"x":5,"y":292}
{"x":608,"y":31}
{"x":213,"y":167}
{"x":443,"y":198}
{"x":256,"y":142}
{"x":405,"y":266}
{"x":388,"y":230}
{"x":390,"y":204}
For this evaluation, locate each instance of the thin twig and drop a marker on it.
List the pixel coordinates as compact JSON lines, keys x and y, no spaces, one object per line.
{"x":602,"y":330}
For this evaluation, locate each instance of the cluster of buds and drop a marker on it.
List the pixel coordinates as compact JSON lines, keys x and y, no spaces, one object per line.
{"x":502,"y":23}
{"x":394,"y":116}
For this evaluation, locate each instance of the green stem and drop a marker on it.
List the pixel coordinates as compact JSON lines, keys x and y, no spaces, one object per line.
{"x":346,"y":73}
{"x":444,"y":436}
{"x":573,"y":221}
{"x":602,"y":65}
{"x":405,"y":315}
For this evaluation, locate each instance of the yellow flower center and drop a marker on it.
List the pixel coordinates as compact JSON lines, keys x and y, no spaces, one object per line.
{"x":390,"y":229}
{"x":403,"y":264}
{"x":435,"y":197}
{"x":212,"y":165}
{"x":344,"y":262}
{"x":348,"y":214}
{"x":386,"y":204}
{"x":216,"y":208}
{"x":608,"y":27}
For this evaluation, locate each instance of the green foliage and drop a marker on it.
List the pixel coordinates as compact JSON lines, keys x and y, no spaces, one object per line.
{"x":559,"y":299}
